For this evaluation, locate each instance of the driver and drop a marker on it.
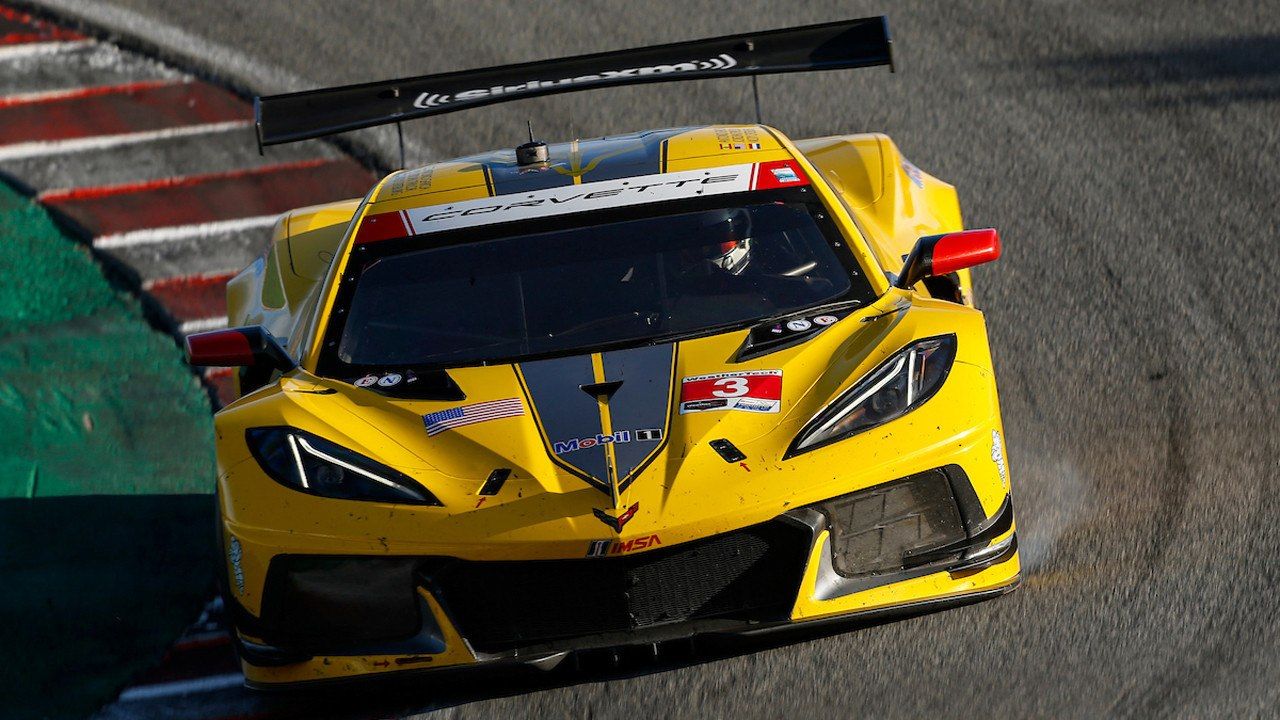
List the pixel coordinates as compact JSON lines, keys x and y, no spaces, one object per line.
{"x":728,"y":262}
{"x":725,"y":249}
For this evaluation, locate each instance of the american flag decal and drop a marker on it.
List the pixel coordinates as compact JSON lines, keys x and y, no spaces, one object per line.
{"x":438,"y":422}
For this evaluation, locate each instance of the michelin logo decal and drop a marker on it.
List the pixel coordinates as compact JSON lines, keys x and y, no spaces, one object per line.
{"x":430,"y":100}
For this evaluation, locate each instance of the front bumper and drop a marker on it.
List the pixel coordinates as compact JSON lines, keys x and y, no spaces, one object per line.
{"x":327,"y":617}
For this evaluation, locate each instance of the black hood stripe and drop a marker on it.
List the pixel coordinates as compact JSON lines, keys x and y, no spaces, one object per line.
{"x":564,"y":413}
{"x":642,"y":405}
{"x":572,"y":421}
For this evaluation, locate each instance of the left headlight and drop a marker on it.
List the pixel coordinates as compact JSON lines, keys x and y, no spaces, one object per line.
{"x":310,"y":464}
{"x":900,"y":384}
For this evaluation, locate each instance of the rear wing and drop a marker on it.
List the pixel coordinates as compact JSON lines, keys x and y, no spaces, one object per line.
{"x":315,"y":113}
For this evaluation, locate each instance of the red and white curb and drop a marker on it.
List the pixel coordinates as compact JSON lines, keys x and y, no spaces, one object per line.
{"x":159,"y":171}
{"x":183,"y":230}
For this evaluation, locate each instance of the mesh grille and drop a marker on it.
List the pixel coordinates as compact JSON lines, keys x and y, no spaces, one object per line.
{"x":875,"y":530}
{"x":751,"y":574}
{"x":315,"y":602}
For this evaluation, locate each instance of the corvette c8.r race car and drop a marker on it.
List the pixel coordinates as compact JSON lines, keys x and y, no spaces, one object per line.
{"x":609,"y":392}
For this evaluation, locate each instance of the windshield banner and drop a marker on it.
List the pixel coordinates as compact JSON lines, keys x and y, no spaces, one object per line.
{"x":582,"y":198}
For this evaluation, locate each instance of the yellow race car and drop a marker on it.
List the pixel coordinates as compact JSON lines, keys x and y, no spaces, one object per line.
{"x":608,"y":392}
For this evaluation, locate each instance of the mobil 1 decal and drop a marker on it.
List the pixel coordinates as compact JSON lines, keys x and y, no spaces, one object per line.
{"x":757,"y":391}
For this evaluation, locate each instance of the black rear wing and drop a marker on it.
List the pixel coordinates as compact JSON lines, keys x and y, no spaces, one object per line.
{"x":315,"y":113}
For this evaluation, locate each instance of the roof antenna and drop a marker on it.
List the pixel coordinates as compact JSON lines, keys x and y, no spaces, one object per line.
{"x":750,"y":46}
{"x":400,"y":134}
{"x":532,"y":152}
{"x":755,"y":90}
{"x":395,"y":93}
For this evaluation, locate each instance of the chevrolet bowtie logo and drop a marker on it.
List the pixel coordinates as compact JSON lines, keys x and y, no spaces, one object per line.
{"x":602,"y":390}
{"x":617,"y":522}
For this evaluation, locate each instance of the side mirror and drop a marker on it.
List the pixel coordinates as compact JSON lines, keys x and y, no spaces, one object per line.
{"x":936,"y":255}
{"x":252,"y":347}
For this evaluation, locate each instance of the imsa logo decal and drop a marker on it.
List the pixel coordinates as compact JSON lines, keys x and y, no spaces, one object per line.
{"x":600,"y":548}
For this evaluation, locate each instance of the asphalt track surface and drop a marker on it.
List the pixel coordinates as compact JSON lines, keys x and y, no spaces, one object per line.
{"x":1128,"y":154}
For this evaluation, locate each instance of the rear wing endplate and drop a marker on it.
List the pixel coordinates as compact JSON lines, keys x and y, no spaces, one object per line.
{"x":315,"y":113}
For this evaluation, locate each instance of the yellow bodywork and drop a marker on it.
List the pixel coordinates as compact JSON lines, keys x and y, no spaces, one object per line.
{"x":881,"y":205}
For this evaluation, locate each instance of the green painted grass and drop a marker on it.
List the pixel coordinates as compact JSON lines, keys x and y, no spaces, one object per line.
{"x":92,"y":399}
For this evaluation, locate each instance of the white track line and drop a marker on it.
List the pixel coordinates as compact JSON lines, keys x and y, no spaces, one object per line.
{"x":21,"y":151}
{"x":53,"y":47}
{"x":203,"y":324}
{"x":152,"y":282}
{"x":182,"y":687}
{"x":45,"y":95}
{"x":149,"y":236}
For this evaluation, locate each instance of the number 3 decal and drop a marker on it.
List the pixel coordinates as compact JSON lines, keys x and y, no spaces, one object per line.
{"x":757,"y":391}
{"x":730,"y":387}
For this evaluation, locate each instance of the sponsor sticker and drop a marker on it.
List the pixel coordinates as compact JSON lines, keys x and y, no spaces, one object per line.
{"x":390,"y":380}
{"x":698,"y":405}
{"x":753,"y":405}
{"x":438,"y":422}
{"x":799,"y":325}
{"x":720,"y":62}
{"x":600,"y":548}
{"x":235,"y":554}
{"x":785,"y":174}
{"x":618,"y":437}
{"x":997,"y":457}
{"x":751,"y":391}
{"x":366,"y":381}
{"x":825,"y":320}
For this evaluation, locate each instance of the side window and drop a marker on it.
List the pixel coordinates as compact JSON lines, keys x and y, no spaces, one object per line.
{"x":890,"y":274}
{"x":272,"y":288}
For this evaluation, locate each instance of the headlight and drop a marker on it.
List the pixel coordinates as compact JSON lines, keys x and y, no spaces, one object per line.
{"x":893,"y":389}
{"x":310,"y":464}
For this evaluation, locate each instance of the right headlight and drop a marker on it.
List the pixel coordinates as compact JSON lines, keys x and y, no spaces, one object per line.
{"x":900,"y":384}
{"x":310,"y":464}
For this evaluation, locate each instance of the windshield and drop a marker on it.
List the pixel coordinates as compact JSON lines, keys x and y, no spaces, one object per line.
{"x":629,"y":280}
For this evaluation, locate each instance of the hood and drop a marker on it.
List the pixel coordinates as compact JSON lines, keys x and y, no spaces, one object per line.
{"x":617,"y":442}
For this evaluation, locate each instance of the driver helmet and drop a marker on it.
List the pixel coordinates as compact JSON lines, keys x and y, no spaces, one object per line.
{"x":727,"y":236}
